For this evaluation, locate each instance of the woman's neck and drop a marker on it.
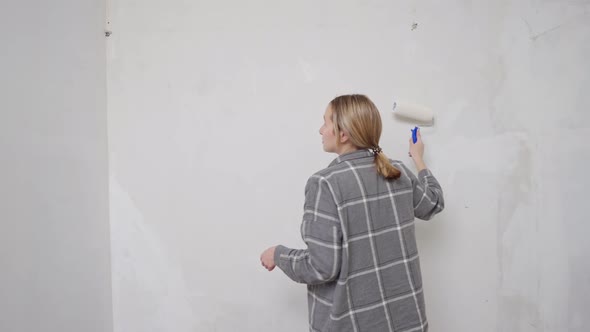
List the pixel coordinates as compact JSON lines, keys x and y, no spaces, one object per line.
{"x":344,"y":149}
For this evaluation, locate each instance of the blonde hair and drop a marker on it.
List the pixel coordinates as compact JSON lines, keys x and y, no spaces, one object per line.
{"x":360,"y":119}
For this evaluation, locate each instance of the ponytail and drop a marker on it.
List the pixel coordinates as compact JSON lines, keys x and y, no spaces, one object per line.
{"x":384,"y":166}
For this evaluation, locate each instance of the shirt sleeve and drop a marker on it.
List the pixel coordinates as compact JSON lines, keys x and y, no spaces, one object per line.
{"x":427,"y":194}
{"x":321,"y":232}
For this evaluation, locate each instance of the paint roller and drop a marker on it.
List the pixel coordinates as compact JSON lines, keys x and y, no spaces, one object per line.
{"x":418,"y":114}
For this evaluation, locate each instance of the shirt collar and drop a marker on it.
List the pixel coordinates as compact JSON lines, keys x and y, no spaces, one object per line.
{"x":351,"y":155}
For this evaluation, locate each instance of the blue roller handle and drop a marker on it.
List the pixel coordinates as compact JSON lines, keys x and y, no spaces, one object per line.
{"x":414,"y":135}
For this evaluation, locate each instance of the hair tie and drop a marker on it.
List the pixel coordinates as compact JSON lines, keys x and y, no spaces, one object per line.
{"x":376,"y":150}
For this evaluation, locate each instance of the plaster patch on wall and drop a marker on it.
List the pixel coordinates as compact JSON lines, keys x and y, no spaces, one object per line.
{"x":307,"y":70}
{"x":149,"y":290}
{"x":500,"y":154}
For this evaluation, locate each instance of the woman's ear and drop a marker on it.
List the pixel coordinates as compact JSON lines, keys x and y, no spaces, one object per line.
{"x":343,"y":137}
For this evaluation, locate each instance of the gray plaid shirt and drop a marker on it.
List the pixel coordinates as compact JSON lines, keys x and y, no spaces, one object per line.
{"x":361,"y":264}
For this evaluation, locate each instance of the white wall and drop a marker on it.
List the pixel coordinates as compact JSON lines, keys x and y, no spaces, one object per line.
{"x":54,"y":230}
{"x":214,"y":108}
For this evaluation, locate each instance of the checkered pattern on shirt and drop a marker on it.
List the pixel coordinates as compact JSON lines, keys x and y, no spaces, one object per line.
{"x":361,"y":264}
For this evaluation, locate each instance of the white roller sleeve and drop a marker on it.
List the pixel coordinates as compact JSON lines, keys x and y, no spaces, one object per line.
{"x":415,"y":112}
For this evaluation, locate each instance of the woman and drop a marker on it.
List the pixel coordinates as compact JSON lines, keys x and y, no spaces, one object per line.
{"x":361,"y":263}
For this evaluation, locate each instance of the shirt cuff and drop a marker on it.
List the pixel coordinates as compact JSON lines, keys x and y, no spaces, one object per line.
{"x":279,"y":250}
{"x":424,"y":173}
